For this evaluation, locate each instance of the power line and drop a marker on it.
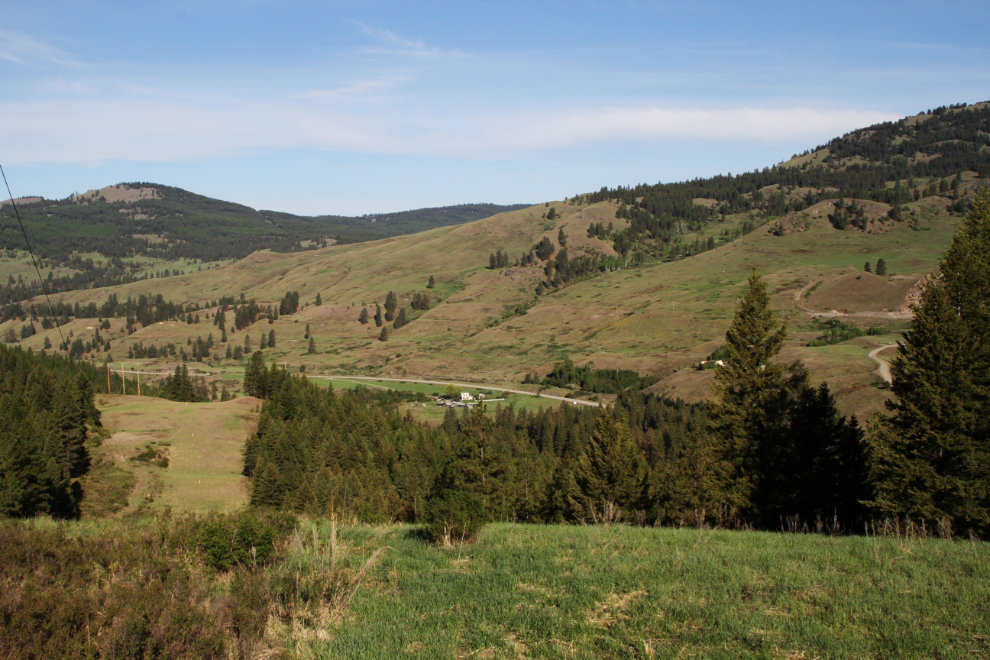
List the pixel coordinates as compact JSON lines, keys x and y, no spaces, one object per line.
{"x":35,"y":261}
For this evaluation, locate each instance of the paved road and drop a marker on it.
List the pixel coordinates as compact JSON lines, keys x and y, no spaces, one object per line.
{"x":578,"y":402}
{"x":884,"y":365}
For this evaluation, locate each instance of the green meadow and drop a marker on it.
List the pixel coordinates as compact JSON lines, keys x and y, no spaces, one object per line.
{"x":525,"y":591}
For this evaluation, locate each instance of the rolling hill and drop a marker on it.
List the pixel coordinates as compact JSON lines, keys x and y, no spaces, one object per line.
{"x":650,"y":282}
{"x":130,"y":231}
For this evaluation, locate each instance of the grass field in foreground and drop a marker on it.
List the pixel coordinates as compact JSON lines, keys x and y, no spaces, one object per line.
{"x":624,"y":592}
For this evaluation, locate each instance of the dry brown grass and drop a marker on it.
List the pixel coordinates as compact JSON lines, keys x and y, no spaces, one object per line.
{"x":863,"y":292}
{"x":204,"y":442}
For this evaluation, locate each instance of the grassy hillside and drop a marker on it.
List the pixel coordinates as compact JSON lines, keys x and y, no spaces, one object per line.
{"x":662,"y":305}
{"x":662,"y":317}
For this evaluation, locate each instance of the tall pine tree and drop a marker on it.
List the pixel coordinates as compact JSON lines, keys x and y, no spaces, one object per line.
{"x":746,"y":415}
{"x":932,"y":458}
{"x":610,"y":478}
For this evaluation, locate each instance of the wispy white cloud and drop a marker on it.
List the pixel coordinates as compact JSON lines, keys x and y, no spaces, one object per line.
{"x":24,"y":49}
{"x":392,"y":43}
{"x":357,"y":89}
{"x":61,"y":86}
{"x":94,"y":130}
{"x":766,"y":125}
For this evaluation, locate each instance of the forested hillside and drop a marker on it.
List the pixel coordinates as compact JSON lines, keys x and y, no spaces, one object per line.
{"x":131,"y":223}
{"x":893,"y":163}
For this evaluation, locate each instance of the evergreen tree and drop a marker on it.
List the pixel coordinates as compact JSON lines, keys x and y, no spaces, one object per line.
{"x":384,"y":335}
{"x":610,"y":477}
{"x":931,"y":460}
{"x":378,"y":316}
{"x":881,"y":267}
{"x":391,"y":302}
{"x":266,"y":489}
{"x":432,"y":283}
{"x":247,"y":343}
{"x":319,"y":300}
{"x":866,"y":268}
{"x":562,"y":238}
{"x":312,"y":346}
{"x":229,"y":353}
{"x":827,"y":476}
{"x":363,"y":316}
{"x":400,"y":320}
{"x":264,"y":342}
{"x":256,"y":376}
{"x":271,"y":338}
{"x":747,"y":416}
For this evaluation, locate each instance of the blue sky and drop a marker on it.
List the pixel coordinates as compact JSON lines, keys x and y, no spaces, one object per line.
{"x":364,"y":107}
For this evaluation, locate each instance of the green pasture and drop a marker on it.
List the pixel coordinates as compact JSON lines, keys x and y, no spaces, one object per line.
{"x":536,"y":591}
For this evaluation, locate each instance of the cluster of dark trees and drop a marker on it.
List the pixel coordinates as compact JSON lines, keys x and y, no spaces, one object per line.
{"x":46,"y":409}
{"x":835,"y":331}
{"x":140,"y":351}
{"x":498,"y":259}
{"x":588,"y":379}
{"x":87,"y":275}
{"x":144,"y":309}
{"x":562,"y":270}
{"x":771,"y":450}
{"x":181,"y":387}
{"x":854,"y":215}
{"x":290,"y":303}
{"x":420,"y":302}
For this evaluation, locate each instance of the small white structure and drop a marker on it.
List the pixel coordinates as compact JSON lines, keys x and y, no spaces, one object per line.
{"x":466,"y":396}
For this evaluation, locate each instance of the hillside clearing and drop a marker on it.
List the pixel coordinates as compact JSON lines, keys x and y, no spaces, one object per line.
{"x":203,"y":444}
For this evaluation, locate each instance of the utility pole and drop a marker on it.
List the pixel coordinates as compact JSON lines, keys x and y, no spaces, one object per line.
{"x":139,"y":382}
{"x":108,"y":378}
{"x":123,"y":382}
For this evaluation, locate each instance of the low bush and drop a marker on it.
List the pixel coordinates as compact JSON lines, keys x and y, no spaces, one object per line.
{"x":454,"y":516}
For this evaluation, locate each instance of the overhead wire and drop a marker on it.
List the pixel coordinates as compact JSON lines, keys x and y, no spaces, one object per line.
{"x":34,"y":260}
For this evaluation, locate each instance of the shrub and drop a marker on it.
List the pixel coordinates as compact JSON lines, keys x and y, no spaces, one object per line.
{"x":454,"y":515}
{"x":244,"y":539}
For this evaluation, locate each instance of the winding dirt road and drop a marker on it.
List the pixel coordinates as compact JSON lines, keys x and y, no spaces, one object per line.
{"x":884,"y":365}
